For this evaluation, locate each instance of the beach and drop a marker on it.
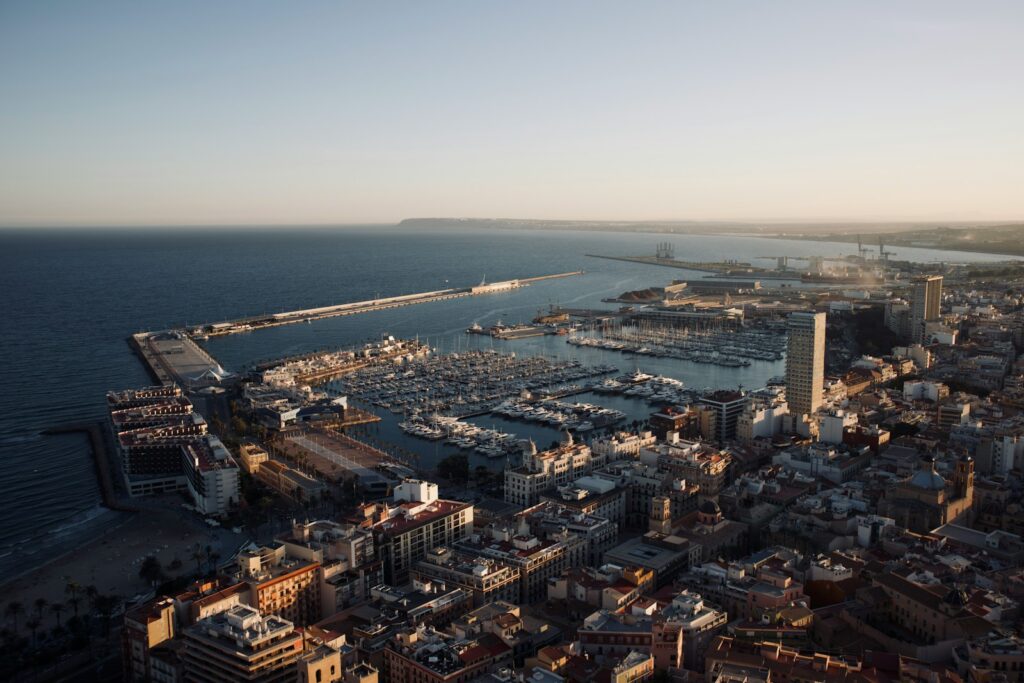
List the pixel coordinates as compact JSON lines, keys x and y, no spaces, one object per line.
{"x":112,"y":561}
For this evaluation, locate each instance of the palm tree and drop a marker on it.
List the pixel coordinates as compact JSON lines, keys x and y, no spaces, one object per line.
{"x":74,"y":601}
{"x":40,"y":604}
{"x":57,"y":608}
{"x":32,"y":625}
{"x":105,"y":605}
{"x":72,"y":589}
{"x":197,"y":555}
{"x":14,"y":610}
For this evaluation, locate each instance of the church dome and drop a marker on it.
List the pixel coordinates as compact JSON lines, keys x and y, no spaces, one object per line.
{"x":710,"y":507}
{"x":927,"y":478}
{"x":956,"y":597}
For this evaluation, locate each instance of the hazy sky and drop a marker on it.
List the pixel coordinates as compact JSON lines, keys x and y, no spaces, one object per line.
{"x":223,"y":112}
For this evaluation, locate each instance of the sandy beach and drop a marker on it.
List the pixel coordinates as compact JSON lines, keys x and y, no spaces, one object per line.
{"x":111,"y":562}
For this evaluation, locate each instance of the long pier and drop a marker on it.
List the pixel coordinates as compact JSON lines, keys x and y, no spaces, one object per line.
{"x":310,"y":314}
{"x":173,"y":356}
{"x":701,"y":266}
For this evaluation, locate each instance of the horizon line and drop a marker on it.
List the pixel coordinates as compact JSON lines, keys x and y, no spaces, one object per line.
{"x":767,"y":222}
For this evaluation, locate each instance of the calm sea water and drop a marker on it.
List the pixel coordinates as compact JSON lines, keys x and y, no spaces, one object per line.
{"x":72,"y":298}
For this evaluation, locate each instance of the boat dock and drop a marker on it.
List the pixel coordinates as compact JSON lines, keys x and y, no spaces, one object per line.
{"x":173,"y":357}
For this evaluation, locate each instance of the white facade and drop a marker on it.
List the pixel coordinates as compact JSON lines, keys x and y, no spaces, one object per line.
{"x":761,"y":418}
{"x":831,"y":425}
{"x":622,"y":445}
{"x":1007,"y":450}
{"x":921,"y":390}
{"x":211,"y":475}
{"x":416,"y":491}
{"x":546,"y":470}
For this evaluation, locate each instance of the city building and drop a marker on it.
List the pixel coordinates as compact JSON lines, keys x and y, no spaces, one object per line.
{"x":805,"y":362}
{"x":547,"y":470}
{"x":552,"y":519}
{"x":417,"y":522}
{"x":605,"y":634}
{"x":348,"y":559}
{"x":926,"y":296}
{"x":146,"y":629}
{"x":426,"y":655}
{"x":700,"y":623}
{"x":926,"y":501}
{"x":536,"y":559}
{"x":211,"y":476}
{"x":726,"y":407}
{"x":280,"y":584}
{"x":163,"y":447}
{"x":241,"y":644}
{"x":485,"y":579}
{"x":762,"y":417}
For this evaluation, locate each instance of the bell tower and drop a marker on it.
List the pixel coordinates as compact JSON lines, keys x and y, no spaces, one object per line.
{"x":660,"y":519}
{"x":963,"y":478}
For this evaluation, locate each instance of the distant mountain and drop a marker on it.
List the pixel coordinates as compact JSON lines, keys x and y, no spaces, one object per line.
{"x":841,"y":231}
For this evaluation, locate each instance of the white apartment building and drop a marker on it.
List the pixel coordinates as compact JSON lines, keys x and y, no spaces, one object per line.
{"x":546,"y":470}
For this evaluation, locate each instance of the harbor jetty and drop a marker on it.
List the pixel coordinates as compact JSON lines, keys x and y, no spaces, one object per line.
{"x":310,"y":314}
{"x":100,"y":460}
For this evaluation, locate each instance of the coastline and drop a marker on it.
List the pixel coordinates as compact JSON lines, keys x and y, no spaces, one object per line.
{"x":982,"y":248}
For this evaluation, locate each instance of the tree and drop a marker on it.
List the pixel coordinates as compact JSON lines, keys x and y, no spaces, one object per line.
{"x":14,"y":610}
{"x":74,"y":601}
{"x":151,"y":571}
{"x":454,"y":468}
{"x":197,"y":555}
{"x":105,"y":605}
{"x":72,"y":590}
{"x":32,"y":625}
{"x":57,"y":608}
{"x":40,"y":604}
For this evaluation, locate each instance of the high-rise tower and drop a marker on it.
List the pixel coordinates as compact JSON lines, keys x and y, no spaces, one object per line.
{"x":805,"y":362}
{"x":924,"y":305}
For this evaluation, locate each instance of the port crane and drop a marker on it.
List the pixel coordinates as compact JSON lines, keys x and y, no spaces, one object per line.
{"x":883,"y":255}
{"x":862,"y":251}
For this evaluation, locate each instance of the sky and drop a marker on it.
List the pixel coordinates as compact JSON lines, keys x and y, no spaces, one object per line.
{"x":184,"y":113}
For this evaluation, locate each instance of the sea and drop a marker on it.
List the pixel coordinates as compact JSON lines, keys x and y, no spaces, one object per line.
{"x":73,"y":297}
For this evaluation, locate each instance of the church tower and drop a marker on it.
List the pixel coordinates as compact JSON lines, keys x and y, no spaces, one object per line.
{"x":661,"y":515}
{"x":963,"y":478}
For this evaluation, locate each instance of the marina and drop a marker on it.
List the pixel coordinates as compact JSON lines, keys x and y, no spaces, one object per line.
{"x":579,"y":417}
{"x":651,"y":388}
{"x":727,"y":348}
{"x":464,"y":383}
{"x":490,"y":443}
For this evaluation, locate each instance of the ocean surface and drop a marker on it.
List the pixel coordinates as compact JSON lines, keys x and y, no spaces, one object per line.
{"x":71,"y":298}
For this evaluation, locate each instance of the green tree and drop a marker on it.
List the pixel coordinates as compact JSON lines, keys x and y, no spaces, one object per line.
{"x":73,"y":590}
{"x":151,"y":571}
{"x":105,"y":606}
{"x":33,"y":626}
{"x":14,"y":610}
{"x":454,"y":468}
{"x":57,"y":608}
{"x":40,"y":604}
